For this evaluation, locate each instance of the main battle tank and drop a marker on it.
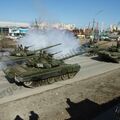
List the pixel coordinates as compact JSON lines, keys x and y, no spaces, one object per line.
{"x":41,"y":69}
{"x":92,"y":50}
{"x":95,"y":48}
{"x":111,"y":54}
{"x":20,"y":53}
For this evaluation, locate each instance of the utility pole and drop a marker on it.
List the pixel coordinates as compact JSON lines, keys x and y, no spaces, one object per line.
{"x":36,"y":24}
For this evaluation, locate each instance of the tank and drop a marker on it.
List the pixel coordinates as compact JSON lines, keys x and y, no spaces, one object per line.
{"x":41,"y":69}
{"x":93,"y":50}
{"x":111,"y":54}
{"x":20,"y":53}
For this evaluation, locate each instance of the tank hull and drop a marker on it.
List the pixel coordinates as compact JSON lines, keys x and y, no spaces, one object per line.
{"x":109,"y":56}
{"x":20,"y":74}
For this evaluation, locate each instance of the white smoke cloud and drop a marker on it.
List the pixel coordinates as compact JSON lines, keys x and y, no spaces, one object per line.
{"x":42,"y":38}
{"x":2,"y":58}
{"x":2,"y":65}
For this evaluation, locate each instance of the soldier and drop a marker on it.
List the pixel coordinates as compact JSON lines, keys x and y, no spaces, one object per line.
{"x":33,"y":116}
{"x":91,"y":40}
{"x":45,"y":54}
{"x":117,"y":113}
{"x":20,"y":47}
{"x":26,"y":49}
{"x":18,"y":118}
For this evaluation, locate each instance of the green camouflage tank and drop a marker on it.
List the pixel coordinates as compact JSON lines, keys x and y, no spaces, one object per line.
{"x":111,"y":54}
{"x":20,"y":53}
{"x":92,"y":50}
{"x":41,"y":68}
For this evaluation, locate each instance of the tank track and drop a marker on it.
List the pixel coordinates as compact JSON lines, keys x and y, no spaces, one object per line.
{"x":50,"y":80}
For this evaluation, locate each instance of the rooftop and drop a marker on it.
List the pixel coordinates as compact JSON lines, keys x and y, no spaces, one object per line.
{"x":13,"y":24}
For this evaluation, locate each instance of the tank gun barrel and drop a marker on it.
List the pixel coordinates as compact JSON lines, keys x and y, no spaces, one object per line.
{"x":28,"y":46}
{"x":56,"y":53}
{"x":51,"y":46}
{"x":70,"y":56}
{"x":48,"y":47}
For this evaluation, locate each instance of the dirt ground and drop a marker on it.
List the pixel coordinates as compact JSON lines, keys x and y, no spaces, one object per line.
{"x":81,"y":100}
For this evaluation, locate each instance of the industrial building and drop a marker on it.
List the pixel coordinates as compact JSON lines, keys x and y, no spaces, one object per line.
{"x":60,"y":26}
{"x":13,"y":29}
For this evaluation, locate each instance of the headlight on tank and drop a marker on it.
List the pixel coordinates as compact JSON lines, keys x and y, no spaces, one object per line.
{"x":18,"y":79}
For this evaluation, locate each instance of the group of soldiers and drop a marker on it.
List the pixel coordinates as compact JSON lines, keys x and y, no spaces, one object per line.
{"x":21,"y":48}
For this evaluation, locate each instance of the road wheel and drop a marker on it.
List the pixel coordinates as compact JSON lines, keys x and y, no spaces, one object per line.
{"x":71,"y":75}
{"x":50,"y":80}
{"x":64,"y":77}
{"x":58,"y":78}
{"x":28,"y":83}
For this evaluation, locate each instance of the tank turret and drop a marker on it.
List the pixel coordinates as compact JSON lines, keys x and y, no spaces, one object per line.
{"x":49,"y":47}
{"x":111,"y":54}
{"x":21,"y":53}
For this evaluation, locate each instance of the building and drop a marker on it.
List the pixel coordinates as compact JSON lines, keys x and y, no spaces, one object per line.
{"x":13,"y":29}
{"x":60,"y":26}
{"x":115,"y":28}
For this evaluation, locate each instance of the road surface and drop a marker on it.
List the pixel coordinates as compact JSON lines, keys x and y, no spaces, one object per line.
{"x":89,"y":68}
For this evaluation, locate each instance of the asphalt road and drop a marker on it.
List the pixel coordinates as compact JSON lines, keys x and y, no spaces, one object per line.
{"x":89,"y":68}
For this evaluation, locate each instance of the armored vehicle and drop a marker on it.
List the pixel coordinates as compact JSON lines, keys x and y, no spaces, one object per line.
{"x":92,"y":50}
{"x":41,"y":68}
{"x":20,"y":53}
{"x":111,"y":54}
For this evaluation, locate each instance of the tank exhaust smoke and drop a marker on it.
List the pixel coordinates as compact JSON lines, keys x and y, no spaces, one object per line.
{"x":42,"y":38}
